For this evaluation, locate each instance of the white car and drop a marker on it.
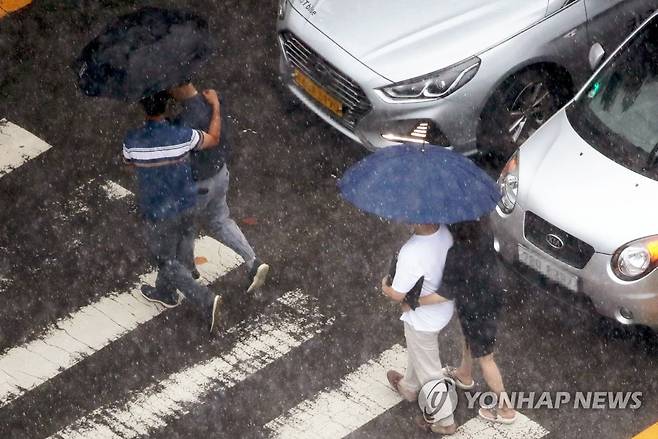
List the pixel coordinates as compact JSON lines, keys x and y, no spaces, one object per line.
{"x":580,"y":197}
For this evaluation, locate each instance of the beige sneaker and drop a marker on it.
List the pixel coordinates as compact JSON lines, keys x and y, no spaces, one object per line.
{"x":258,"y":275}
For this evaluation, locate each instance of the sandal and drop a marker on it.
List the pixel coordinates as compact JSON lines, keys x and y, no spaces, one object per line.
{"x":450,"y":372}
{"x":498,"y":419}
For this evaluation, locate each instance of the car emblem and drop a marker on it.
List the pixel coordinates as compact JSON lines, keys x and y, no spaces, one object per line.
{"x":554,"y":241}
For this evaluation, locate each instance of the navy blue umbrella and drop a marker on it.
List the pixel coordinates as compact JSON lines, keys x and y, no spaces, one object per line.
{"x":142,"y":53}
{"x":420,"y":185}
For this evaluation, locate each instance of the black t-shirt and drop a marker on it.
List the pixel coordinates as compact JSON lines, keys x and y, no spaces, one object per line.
{"x":469,"y":277}
{"x":196,"y":113}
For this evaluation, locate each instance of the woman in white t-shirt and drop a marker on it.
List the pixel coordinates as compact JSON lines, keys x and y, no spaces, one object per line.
{"x":423,"y":255}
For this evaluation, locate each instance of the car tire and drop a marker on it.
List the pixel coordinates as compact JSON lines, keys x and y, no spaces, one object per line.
{"x":516,"y":110}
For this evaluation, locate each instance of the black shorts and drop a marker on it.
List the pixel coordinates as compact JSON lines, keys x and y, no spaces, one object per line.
{"x":480,"y":332}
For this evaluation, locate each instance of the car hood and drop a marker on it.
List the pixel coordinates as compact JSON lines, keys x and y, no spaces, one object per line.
{"x":400,"y":42}
{"x":570,"y":184}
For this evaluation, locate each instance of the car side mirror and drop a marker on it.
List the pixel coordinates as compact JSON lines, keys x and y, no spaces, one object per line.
{"x":596,"y":55}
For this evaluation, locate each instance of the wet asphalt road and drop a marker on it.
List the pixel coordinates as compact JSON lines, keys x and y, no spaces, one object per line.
{"x":284,"y":172}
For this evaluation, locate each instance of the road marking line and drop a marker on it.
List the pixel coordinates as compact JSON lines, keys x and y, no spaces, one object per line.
{"x":363,"y":396}
{"x":523,"y":428}
{"x":17,"y":147}
{"x":115,"y":191}
{"x":9,"y":6}
{"x":262,"y":341}
{"x":650,"y":433}
{"x":93,"y":327}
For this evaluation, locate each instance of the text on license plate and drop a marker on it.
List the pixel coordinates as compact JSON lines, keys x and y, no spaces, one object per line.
{"x":318,"y":93}
{"x":548,"y":269}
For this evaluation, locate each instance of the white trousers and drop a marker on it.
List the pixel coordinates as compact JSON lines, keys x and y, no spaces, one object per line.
{"x":423,"y":364}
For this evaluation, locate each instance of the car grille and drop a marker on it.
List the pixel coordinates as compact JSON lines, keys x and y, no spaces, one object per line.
{"x":300,"y":56}
{"x":574,"y":252}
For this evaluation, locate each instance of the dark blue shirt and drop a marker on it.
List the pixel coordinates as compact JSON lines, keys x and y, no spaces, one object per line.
{"x":160,"y":152}
{"x":196,"y":113}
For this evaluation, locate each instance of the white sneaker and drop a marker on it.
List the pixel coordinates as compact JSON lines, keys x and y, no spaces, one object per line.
{"x":258,"y":275}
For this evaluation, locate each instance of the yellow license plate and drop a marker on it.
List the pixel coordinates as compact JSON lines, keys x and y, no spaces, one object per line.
{"x":318,"y":93}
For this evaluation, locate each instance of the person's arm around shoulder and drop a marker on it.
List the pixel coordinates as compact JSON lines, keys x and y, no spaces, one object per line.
{"x":432,"y":299}
{"x":406,"y":276}
{"x":210,"y":139}
{"x":389,"y":292}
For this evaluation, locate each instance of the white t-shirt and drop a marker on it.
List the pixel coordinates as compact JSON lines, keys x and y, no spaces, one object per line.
{"x":424,"y":255}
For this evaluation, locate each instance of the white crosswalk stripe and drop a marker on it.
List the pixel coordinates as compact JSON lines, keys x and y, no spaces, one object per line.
{"x":262,"y":341}
{"x":523,"y":428}
{"x":115,"y":191}
{"x":96,"y":325}
{"x":17,"y":147}
{"x":364,"y":395}
{"x":93,"y":327}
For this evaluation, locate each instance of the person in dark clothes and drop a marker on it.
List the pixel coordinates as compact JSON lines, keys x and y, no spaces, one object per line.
{"x":159,"y":152}
{"x":478,"y":307}
{"x":211,"y":177}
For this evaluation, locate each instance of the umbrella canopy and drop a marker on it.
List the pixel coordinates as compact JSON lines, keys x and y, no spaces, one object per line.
{"x":420,"y":185}
{"x":142,"y":53}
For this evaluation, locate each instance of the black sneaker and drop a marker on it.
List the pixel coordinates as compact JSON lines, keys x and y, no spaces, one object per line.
{"x":195,"y":273}
{"x":215,"y":313}
{"x":166,"y":300}
{"x":257,"y":275}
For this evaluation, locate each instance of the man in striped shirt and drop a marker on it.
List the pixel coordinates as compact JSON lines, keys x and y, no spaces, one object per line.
{"x":159,"y":152}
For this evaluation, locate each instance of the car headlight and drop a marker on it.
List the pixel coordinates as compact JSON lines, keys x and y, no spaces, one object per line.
{"x":636,"y":259}
{"x":509,"y":184}
{"x":283,"y":7}
{"x":435,"y":85}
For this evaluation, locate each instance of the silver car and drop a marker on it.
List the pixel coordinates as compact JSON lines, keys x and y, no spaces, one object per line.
{"x":580,"y":197}
{"x":466,"y":74}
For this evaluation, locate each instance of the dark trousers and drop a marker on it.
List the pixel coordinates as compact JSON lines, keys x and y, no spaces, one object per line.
{"x":168,"y":240}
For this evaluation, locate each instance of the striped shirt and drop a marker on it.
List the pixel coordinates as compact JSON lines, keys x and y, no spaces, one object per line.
{"x":160,"y":152}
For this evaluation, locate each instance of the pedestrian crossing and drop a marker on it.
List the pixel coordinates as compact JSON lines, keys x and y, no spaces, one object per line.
{"x":291,"y":321}
{"x":258,"y":342}
{"x":86,"y":331}
{"x":362,"y":396}
{"x":17,"y":147}
{"x":365,"y":394}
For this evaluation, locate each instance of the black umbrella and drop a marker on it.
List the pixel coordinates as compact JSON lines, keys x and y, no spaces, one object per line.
{"x":142,"y":53}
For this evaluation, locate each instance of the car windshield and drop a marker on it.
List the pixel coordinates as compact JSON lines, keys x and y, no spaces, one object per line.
{"x":618,"y":113}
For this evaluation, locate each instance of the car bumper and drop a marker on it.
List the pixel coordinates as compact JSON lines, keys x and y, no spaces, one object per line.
{"x":610,"y":296}
{"x":453,"y":119}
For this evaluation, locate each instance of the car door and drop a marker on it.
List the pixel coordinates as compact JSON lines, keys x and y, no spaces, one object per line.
{"x":566,"y":22}
{"x":609,"y":22}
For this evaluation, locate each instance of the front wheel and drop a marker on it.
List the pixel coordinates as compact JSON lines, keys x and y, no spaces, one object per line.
{"x":516,"y":110}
